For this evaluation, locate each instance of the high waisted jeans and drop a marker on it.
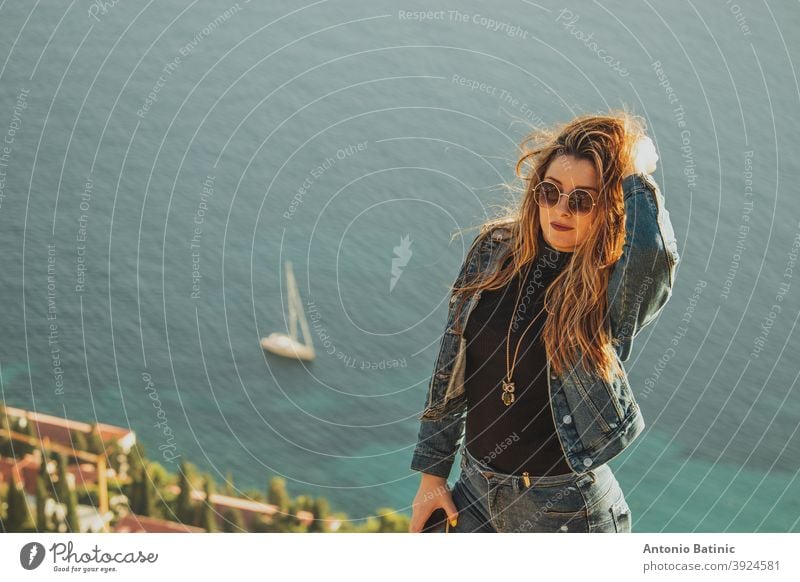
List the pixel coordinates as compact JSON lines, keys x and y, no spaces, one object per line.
{"x":488,"y":501}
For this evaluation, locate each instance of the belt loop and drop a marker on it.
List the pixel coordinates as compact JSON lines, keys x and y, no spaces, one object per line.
{"x":584,"y":479}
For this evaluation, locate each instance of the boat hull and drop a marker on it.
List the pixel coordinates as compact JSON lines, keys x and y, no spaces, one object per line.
{"x":283,"y":345}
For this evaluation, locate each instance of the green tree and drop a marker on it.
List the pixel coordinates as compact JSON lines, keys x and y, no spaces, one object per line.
{"x":114,"y":453}
{"x":96,"y":445}
{"x":184,"y":508}
{"x":18,"y":516}
{"x":303,"y":503}
{"x":262,"y":524}
{"x":254,"y":494}
{"x":229,"y":489}
{"x":42,"y":495}
{"x":320,"y":510}
{"x":159,"y":478}
{"x":289,"y":522}
{"x":5,"y":442}
{"x":277,"y":495}
{"x":145,"y":492}
{"x":391,"y":521}
{"x":136,"y":459}
{"x":158,"y":474}
{"x":234,"y":522}
{"x":62,"y":485}
{"x":65,"y":495}
{"x":207,"y":519}
{"x":47,"y":478}
{"x":140,"y":489}
{"x":79,"y":442}
{"x":282,"y":520}
{"x":73,"y":525}
{"x":142,"y":500}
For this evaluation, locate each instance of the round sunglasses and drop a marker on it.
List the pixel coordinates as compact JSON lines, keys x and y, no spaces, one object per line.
{"x":547,"y":195}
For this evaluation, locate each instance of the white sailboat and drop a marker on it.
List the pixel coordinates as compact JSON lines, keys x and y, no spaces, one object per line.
{"x":288,"y":345}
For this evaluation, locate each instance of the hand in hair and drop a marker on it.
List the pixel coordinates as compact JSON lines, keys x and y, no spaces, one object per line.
{"x":644,"y":156}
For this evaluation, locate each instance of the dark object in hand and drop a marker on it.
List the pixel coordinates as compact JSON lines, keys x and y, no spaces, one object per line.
{"x":437,"y":522}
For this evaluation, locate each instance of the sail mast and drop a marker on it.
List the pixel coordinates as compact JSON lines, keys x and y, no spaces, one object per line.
{"x":291,"y":292}
{"x":300,"y":313}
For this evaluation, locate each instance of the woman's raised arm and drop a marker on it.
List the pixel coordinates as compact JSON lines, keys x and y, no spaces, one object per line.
{"x":641,"y":281}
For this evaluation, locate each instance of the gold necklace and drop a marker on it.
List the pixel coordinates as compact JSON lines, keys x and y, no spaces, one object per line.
{"x":508,"y":384}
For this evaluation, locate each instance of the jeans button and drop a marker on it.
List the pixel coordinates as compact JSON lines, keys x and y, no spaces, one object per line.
{"x":567,"y":419}
{"x":587,"y":461}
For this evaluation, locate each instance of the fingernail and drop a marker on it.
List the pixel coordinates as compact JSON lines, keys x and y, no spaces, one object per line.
{"x":454,"y":521}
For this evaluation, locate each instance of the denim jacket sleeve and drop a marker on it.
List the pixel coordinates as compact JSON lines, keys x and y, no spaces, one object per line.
{"x":641,"y":281}
{"x":437,"y":440}
{"x":437,"y":443}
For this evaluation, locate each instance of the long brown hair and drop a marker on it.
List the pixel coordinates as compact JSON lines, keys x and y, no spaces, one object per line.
{"x":576,"y":300}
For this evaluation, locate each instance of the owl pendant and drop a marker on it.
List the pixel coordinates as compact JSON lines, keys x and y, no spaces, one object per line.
{"x":508,"y":392}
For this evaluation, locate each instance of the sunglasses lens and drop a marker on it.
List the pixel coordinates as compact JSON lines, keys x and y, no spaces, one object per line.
{"x":580,"y":202}
{"x":547,"y":194}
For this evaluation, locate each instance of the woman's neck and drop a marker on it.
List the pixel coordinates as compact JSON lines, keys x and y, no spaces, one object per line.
{"x":561,"y":257}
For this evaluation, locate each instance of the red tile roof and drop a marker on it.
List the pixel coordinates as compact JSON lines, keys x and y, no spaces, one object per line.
{"x":57,"y":428}
{"x":23,"y":470}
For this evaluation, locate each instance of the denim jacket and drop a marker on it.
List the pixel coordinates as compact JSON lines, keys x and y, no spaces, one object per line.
{"x":595,"y":420}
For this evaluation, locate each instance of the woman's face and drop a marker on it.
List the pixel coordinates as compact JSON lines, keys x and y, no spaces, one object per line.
{"x":568,"y":173}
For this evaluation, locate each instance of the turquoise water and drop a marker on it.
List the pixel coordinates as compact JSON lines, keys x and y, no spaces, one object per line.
{"x":152,"y":143}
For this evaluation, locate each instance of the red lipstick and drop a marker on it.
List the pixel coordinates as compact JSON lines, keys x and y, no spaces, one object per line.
{"x":560,"y":227}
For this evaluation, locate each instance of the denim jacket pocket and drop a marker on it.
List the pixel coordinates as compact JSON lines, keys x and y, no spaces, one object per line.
{"x":594,"y":411}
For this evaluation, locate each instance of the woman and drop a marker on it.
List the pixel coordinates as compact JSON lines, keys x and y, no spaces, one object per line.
{"x":541,"y":317}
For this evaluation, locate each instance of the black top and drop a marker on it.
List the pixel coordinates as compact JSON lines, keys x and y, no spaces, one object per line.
{"x":520,"y":437}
